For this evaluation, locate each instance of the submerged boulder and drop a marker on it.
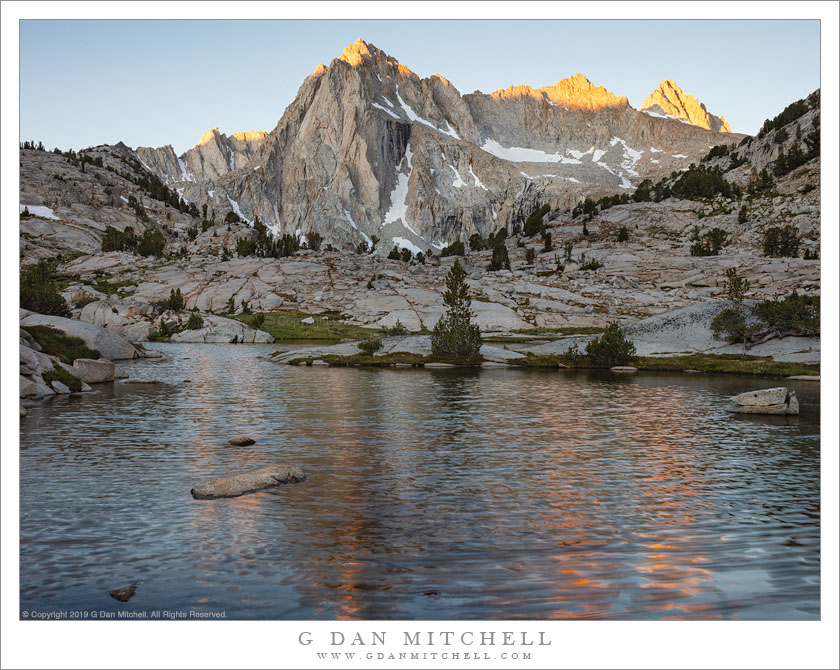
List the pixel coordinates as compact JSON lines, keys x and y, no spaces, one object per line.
{"x":252,"y":481}
{"x":777,"y":401}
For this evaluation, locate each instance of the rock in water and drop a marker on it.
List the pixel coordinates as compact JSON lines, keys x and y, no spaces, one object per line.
{"x":252,"y":481}
{"x":124,"y":595}
{"x":241,"y":441}
{"x":774,"y":396}
{"x":777,"y":401}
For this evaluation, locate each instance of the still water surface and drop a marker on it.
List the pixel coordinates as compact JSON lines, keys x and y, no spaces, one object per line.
{"x":432,"y":494}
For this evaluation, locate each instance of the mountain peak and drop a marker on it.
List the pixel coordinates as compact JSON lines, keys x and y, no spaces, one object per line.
{"x":356,"y":53}
{"x":208,"y":136}
{"x":671,"y":100}
{"x":575,"y":92}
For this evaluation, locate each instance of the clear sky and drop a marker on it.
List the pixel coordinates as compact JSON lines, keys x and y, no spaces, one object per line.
{"x":150,"y":83}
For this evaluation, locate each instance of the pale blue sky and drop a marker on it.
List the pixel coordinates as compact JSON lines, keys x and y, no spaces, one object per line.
{"x":150,"y":83}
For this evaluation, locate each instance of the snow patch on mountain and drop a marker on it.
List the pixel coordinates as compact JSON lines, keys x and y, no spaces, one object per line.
{"x":41,"y":211}
{"x":399,"y":208}
{"x":523,"y":155}
{"x":235,"y":207}
{"x":355,"y":227}
{"x":409,"y":112}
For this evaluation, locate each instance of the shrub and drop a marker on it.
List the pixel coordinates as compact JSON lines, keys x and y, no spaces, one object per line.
{"x":313,"y":241}
{"x":731,"y":325}
{"x":701,"y":182}
{"x":394,"y":254}
{"x":405,"y":255}
{"x":795,"y":313}
{"x":67,"y":348}
{"x":174,"y":302}
{"x":194,"y":322}
{"x":591,"y":265}
{"x":500,"y":259}
{"x":547,"y":246}
{"x":623,"y":234}
{"x":611,"y":348}
{"x":232,"y":217}
{"x":781,"y":242}
{"x":761,"y":183}
{"x":454,"y":335}
{"x":530,"y":255}
{"x":397,"y":329}
{"x":790,"y":113}
{"x":709,"y":243}
{"x":534,"y":223}
{"x":574,"y":356}
{"x":152,"y":243}
{"x":742,"y":214}
{"x":38,"y":290}
{"x":259,"y":320}
{"x":370,"y":346}
{"x":454,"y":249}
{"x":116,"y":240}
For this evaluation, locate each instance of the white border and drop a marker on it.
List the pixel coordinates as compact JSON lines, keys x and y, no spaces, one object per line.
{"x":273,"y":644}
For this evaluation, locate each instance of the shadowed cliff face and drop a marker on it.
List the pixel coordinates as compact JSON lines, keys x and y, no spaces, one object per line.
{"x":369,"y":148}
{"x":671,"y":100}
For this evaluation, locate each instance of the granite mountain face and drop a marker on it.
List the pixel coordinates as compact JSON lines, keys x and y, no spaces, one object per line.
{"x":368,"y":148}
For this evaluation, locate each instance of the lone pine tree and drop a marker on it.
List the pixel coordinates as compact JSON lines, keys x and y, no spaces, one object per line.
{"x":454,"y":335}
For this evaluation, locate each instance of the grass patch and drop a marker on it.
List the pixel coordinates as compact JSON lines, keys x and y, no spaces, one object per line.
{"x":718,"y":364}
{"x":59,"y":374}
{"x":112,"y":288}
{"x":583,"y":330}
{"x":288,"y":326}
{"x":715,"y":363}
{"x":726,"y":364}
{"x":55,"y":343}
{"x":529,"y":334}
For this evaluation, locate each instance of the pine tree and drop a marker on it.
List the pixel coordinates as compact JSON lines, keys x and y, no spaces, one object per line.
{"x":454,"y":335}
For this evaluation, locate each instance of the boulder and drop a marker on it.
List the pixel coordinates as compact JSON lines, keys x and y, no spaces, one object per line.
{"x":805,"y":378}
{"x":774,"y":396}
{"x":778,"y":401}
{"x":262,"y":478}
{"x":34,"y":388}
{"x":623,"y":368}
{"x":94,"y":371}
{"x":60,"y":387}
{"x":308,"y":321}
{"x":218,"y":329}
{"x":108,"y":344}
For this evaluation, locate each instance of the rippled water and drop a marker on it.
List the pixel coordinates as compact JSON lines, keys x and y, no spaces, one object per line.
{"x":433,"y":494}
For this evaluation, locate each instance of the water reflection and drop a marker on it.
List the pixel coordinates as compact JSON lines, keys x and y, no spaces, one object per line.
{"x":431,"y":494}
